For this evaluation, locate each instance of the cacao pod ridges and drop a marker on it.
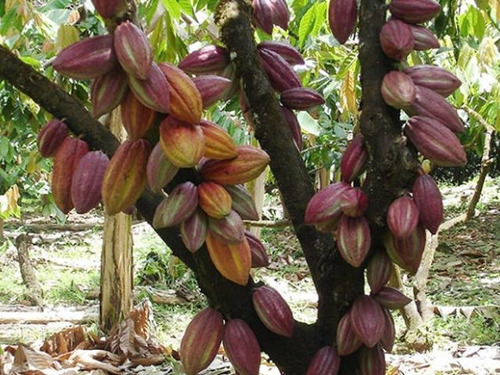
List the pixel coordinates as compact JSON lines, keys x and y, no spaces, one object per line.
{"x":367,"y":320}
{"x":133,"y":50}
{"x":325,"y":362}
{"x":179,"y":205}
{"x":51,"y":137}
{"x":242,"y":347}
{"x":273,"y":310}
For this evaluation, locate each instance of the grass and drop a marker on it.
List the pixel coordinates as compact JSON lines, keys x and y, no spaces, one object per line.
{"x":476,"y":330}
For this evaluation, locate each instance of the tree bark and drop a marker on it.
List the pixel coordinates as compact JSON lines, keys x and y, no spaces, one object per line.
{"x":117,"y":278}
{"x":483,"y":173}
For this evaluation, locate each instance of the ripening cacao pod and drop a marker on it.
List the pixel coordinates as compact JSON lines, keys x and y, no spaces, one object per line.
{"x":136,"y":117}
{"x":242,"y":347}
{"x":391,"y":298}
{"x":242,"y":202}
{"x":414,"y":11}
{"x":107,"y":92}
{"x":354,"y":159}
{"x":182,"y":143}
{"x":194,"y":230}
{"x":301,"y":98}
{"x":347,"y":341}
{"x":326,"y":361}
{"x":273,"y":311}
{"x":325,"y":204}
{"x":435,"y":78}
{"x":258,"y":251}
{"x":214,"y":199}
{"x":424,"y":38}
{"x":51,"y":137}
{"x":201,"y":341}
{"x":159,"y":171}
{"x":212,"y":88}
{"x":71,"y":151}
{"x":402,"y":217}
{"x":367,"y":320}
{"x":248,"y":165}
{"x":87,"y":181}
{"x":435,"y":141}
{"x":406,"y":252}
{"x":233,"y":261}
{"x":372,"y":361}
{"x":294,"y":126}
{"x":218,"y":143}
{"x":268,"y":13}
{"x":178,"y":206}
{"x":353,"y":239}
{"x":429,"y":202}
{"x":185,"y":99}
{"x":125,"y":177}
{"x":154,"y":91}
{"x":210,"y":59}
{"x":353,"y":202}
{"x":398,"y":89}
{"x":86,"y":59}
{"x":228,"y":229}
{"x":133,"y":50}
{"x":379,"y":270}
{"x":285,"y":50}
{"x":389,"y":336}
{"x":396,"y":39}
{"x":342,"y":17}
{"x":429,"y":103}
{"x":108,"y":8}
{"x":280,"y":73}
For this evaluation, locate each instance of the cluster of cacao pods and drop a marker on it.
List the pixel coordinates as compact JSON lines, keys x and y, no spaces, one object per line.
{"x":207,"y":330}
{"x":212,"y":66}
{"x":421,"y":90}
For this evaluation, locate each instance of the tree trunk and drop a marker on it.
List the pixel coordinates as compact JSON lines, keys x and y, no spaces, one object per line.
{"x":483,"y":173}
{"x":117,"y":282}
{"x":34,"y":291}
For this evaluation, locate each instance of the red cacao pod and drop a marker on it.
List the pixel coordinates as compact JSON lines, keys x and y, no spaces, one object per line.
{"x":429,"y":202}
{"x":379,"y":270}
{"x":342,"y":17}
{"x":347,"y":341}
{"x":51,"y":137}
{"x":414,"y":11}
{"x":353,"y":239}
{"x":326,"y":361}
{"x":402,"y":217}
{"x":133,"y":50}
{"x":273,"y":311}
{"x":396,"y":39}
{"x":241,"y":347}
{"x":367,"y":320}
{"x":354,"y":159}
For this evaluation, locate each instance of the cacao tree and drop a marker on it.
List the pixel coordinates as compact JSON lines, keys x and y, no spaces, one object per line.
{"x":184,"y":174}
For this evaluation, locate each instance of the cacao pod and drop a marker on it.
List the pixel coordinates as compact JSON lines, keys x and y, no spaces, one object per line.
{"x":342,"y":17}
{"x":210,"y":59}
{"x":242,"y":347}
{"x":154,"y":91}
{"x":406,"y":252}
{"x":242,"y":202}
{"x":125,"y":177}
{"x":414,"y":11}
{"x":229,"y":229}
{"x":185,"y":99}
{"x":347,"y":341}
{"x":294,"y":126}
{"x":353,"y":202}
{"x":280,"y":73}
{"x":389,"y":336}
{"x":159,"y":171}
{"x":233,"y":261}
{"x":301,"y":98}
{"x":51,"y":137}
{"x":398,"y":89}
{"x":86,"y":59}
{"x":354,"y":159}
{"x":133,"y":50}
{"x":285,"y":50}
{"x":182,"y":143}
{"x":353,"y":239}
{"x":429,"y":202}
{"x":372,"y":361}
{"x":218,"y":143}
{"x":258,"y":251}
{"x":214,"y":199}
{"x":391,"y":298}
{"x":107,"y":92}
{"x":212,"y":88}
{"x":367,"y":320}
{"x":273,"y":311}
{"x":71,"y":151}
{"x":379,"y":270}
{"x":201,"y":340}
{"x":194,"y":231}
{"x":325,"y":205}
{"x":435,"y":141}
{"x":402,"y":217}
{"x":396,"y":39}
{"x":435,"y":78}
{"x":178,"y":206}
{"x":325,"y":362}
{"x":108,"y":8}
{"x":424,"y":38}
{"x":136,"y":117}
{"x":248,"y":165}
{"x":87,"y":181}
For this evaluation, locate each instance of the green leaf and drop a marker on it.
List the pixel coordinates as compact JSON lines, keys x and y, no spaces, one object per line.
{"x":35,"y":63}
{"x":8,"y":21}
{"x":173,"y":8}
{"x":307,"y":25}
{"x":308,"y":123}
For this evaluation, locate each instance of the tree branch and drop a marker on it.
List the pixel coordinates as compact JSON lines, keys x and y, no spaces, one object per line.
{"x":336,"y":282}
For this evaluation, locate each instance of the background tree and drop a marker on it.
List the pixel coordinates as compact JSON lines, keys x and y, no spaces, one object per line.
{"x":391,"y":169}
